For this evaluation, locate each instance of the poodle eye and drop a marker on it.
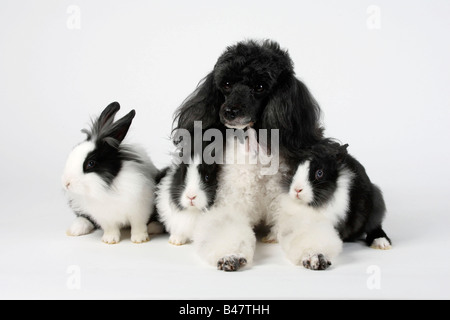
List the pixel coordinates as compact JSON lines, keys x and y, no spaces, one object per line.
{"x":91,"y":164}
{"x":319,"y":174}
{"x":227,"y":85}
{"x":259,"y":88}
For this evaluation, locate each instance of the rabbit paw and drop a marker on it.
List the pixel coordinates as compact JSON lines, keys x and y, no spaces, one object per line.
{"x":140,"y":237}
{"x":381,"y":243}
{"x":316,"y":262}
{"x":111,"y":237}
{"x":79,"y":227}
{"x":177,"y":240}
{"x":231,"y":263}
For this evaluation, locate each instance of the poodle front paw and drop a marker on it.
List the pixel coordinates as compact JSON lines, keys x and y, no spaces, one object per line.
{"x":316,"y":262}
{"x":231,"y":262}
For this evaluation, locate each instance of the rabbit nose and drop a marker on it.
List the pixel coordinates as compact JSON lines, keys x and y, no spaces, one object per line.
{"x":298,"y":190}
{"x":191,"y":198}
{"x":67,"y":184}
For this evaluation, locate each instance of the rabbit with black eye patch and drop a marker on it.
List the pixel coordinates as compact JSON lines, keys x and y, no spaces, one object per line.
{"x":110,"y":184}
{"x":328,"y":199}
{"x":185,"y":193}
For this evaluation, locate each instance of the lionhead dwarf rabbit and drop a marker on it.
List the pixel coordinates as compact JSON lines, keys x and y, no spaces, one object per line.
{"x":110,"y":184}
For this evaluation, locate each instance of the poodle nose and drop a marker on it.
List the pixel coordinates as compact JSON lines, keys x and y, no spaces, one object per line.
{"x":231,"y":113}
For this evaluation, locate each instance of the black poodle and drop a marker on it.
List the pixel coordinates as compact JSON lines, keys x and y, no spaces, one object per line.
{"x":253,"y":84}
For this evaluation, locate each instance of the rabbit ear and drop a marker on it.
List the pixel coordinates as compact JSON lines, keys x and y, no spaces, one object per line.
{"x":107,"y":116}
{"x":103,"y":122}
{"x":342,"y":153}
{"x":119,"y":129}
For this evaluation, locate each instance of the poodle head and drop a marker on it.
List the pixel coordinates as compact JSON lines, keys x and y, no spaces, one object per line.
{"x":253,"y":84}
{"x":246,"y":75}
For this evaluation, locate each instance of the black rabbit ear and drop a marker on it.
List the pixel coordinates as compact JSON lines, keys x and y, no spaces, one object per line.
{"x":104,"y":121}
{"x":294,"y":111}
{"x":107,"y":115}
{"x":202,"y":105}
{"x":119,"y":129}
{"x":342,"y":153}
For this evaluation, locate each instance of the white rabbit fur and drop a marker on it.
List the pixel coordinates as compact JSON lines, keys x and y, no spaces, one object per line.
{"x":304,"y":234}
{"x":110,"y":200}
{"x":183,"y":196}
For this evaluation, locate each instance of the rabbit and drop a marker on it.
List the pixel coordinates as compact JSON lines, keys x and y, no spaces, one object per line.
{"x":110,"y":184}
{"x":329,"y":199}
{"x":185,"y":193}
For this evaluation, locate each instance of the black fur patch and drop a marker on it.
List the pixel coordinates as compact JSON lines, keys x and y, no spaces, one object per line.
{"x":209,"y":179}
{"x":178,"y":184}
{"x":107,"y":158}
{"x":107,"y":162}
{"x":255,"y":82}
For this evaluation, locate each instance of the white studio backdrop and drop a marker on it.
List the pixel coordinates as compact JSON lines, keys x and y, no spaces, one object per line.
{"x":379,"y":69}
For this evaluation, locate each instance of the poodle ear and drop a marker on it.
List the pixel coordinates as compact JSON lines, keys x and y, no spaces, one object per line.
{"x":293,"y":111}
{"x":202,"y":105}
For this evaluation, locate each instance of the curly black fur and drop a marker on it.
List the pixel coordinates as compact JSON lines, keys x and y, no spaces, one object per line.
{"x":254,"y":84}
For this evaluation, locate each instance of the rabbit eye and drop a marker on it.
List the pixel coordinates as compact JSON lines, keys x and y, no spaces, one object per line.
{"x":319,"y":174}
{"x":206,"y":178}
{"x":90,"y":164}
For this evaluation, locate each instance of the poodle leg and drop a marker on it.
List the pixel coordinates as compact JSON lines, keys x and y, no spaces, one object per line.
{"x":225,"y":240}
{"x":316,"y":262}
{"x":231,"y":262}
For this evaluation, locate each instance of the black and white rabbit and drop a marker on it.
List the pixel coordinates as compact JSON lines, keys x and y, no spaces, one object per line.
{"x":185,"y":193}
{"x":329,"y":199}
{"x":110,"y":184}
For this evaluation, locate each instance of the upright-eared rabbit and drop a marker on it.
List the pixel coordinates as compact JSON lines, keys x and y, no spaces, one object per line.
{"x":110,"y":184}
